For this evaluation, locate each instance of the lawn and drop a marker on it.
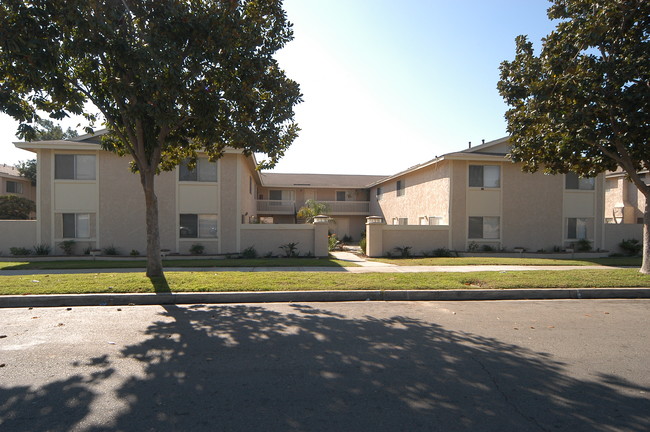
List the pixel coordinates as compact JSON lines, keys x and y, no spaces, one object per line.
{"x":206,"y":281}
{"x":613,"y":261}
{"x":140,"y":263}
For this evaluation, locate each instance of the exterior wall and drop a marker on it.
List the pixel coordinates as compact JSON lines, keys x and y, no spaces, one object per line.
{"x":615,"y":233}
{"x":382,"y":239}
{"x":29,"y":191}
{"x":17,"y":233}
{"x":229,"y":216}
{"x":623,"y":201}
{"x":426,"y":193}
{"x":249,"y":188}
{"x":311,"y":238}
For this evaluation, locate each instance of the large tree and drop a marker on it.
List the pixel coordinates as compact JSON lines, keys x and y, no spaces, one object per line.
{"x":169,"y":77}
{"x":583,"y":103}
{"x":47,"y":130}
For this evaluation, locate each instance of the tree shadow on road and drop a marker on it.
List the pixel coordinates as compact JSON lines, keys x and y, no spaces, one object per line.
{"x":250,"y":368}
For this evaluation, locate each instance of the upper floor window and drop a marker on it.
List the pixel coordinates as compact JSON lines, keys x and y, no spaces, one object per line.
{"x":205,"y":171}
{"x":400,"y":188}
{"x":485,"y":176}
{"x":378,"y":193}
{"x":14,"y":187}
{"x":74,"y":167}
{"x":579,"y":183}
{"x":340,"y":195}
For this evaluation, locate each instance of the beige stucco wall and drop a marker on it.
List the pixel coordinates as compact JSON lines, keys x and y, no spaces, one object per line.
{"x":268,"y":238}
{"x":229,"y":216}
{"x":17,"y":233}
{"x":426,"y":194}
{"x":249,"y":186}
{"x":422,"y":239}
{"x":623,"y":201}
{"x":615,"y":233}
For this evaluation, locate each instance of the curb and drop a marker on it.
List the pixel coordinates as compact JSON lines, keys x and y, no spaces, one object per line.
{"x":57,"y":300}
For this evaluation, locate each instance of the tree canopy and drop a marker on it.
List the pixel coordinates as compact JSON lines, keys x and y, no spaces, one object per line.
{"x":47,"y":130}
{"x":311,"y":209}
{"x":583,"y":103}
{"x":27,"y":169}
{"x":169,"y":78}
{"x":15,"y":207}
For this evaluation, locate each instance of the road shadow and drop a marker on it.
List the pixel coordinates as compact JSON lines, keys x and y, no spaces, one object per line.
{"x":249,"y":368}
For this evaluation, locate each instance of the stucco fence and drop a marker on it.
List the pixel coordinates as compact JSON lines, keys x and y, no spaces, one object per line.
{"x":382,"y":239}
{"x":310,"y":239}
{"x":615,"y":233}
{"x":17,"y":233}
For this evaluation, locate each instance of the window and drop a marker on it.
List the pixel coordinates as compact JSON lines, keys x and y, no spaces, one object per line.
{"x":400,"y":188}
{"x":435,"y":220}
{"x":484,"y":227}
{"x":205,"y":171}
{"x":578,"y":228}
{"x":579,"y":183}
{"x":423,"y":220}
{"x":74,"y":167}
{"x":400,"y":221}
{"x":378,"y":194}
{"x":250,"y":185}
{"x":76,"y":225}
{"x":198,"y":226}
{"x":340,"y":195}
{"x":485,"y":176}
{"x":14,"y":187}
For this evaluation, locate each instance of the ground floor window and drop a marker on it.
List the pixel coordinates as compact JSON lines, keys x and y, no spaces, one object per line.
{"x":484,"y":227}
{"x":198,"y":226}
{"x":400,"y":221}
{"x":76,"y":225}
{"x":579,"y":228}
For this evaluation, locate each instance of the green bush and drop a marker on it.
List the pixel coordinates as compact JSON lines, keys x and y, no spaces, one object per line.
{"x":110,"y":250}
{"x":20,"y":251}
{"x":442,"y":252}
{"x":249,"y":253}
{"x":362,"y":245}
{"x":134,"y":252}
{"x":583,"y":245}
{"x":197,"y":249}
{"x":67,"y":246}
{"x":631,"y":247}
{"x":487,"y":248}
{"x":42,"y":249}
{"x":403,"y":251}
{"x":332,"y":242}
{"x":290,"y":249}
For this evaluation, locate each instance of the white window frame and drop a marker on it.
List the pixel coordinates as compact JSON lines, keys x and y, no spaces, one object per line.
{"x":400,"y":188}
{"x":80,"y":170}
{"x":484,"y":176}
{"x":81,"y":225}
{"x":487,"y":231}
{"x":17,"y":186}
{"x":378,"y":194}
{"x":582,"y":228}
{"x":583,"y":183}
{"x":206,"y":226}
{"x":203,"y":171}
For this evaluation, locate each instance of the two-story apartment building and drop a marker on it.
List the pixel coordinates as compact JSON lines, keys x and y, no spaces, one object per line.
{"x":90,"y":196}
{"x":12,"y":183}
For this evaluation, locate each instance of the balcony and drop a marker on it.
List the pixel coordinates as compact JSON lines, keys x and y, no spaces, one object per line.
{"x":276,"y":207}
{"x":347,"y":207}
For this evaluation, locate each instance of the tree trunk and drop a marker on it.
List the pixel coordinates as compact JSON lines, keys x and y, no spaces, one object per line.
{"x":645,"y":265}
{"x":154,"y":260}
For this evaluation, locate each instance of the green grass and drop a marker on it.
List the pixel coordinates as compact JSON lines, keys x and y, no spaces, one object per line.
{"x":614,"y":261}
{"x":207,"y":281}
{"x":140,"y":263}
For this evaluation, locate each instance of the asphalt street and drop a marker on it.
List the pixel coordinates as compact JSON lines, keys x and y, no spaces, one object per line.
{"x":552,"y":365}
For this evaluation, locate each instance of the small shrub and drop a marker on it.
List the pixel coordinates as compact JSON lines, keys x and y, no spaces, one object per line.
{"x":268,"y":255}
{"x":472,"y":247}
{"x":20,"y":251}
{"x":67,"y":246}
{"x":134,"y":252}
{"x":362,"y":245}
{"x":487,"y":248}
{"x":110,"y":250}
{"x":290,"y":249}
{"x":309,"y":254}
{"x":403,"y":251}
{"x":346,"y":239}
{"x":583,"y":245}
{"x":249,"y":252}
{"x":388,"y":254}
{"x":631,"y":246}
{"x":557,"y":249}
{"x":442,"y":252}
{"x":42,"y":249}
{"x":333,"y":243}
{"x":87,"y":250}
{"x":197,"y":249}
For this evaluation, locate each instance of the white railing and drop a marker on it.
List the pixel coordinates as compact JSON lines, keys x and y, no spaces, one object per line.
{"x":276,"y":206}
{"x":348,"y":207}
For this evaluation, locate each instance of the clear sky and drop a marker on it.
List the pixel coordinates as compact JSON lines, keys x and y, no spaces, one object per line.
{"x":389,"y":84}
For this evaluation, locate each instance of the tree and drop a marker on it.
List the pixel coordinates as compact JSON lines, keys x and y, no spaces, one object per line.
{"x":15,"y":207}
{"x":311,"y":209}
{"x":49,"y":131}
{"x":169,"y":77}
{"x":27,"y":169}
{"x":583,"y":104}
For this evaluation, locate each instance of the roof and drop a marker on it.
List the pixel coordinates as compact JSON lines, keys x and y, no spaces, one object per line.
{"x":9,"y":170}
{"x":318,"y":180}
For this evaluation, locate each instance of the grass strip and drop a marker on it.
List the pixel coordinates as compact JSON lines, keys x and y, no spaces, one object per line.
{"x":298,"y":281}
{"x":139,"y":263}
{"x":613,"y":261}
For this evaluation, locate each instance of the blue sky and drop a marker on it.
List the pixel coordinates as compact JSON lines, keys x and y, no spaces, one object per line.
{"x":389,"y":84}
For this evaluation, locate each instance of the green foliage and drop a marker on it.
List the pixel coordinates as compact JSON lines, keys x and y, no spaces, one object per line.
{"x":290,"y":249}
{"x":403,"y":251}
{"x":49,"y":131}
{"x":442,"y":253}
{"x":134,"y":252}
{"x":631,"y":247}
{"x":42,"y":249}
{"x":197,"y":249}
{"x":473,"y":246}
{"x":168,"y":77}
{"x":312,"y":209}
{"x":333,"y":243}
{"x":68,"y":247}
{"x":110,"y":250}
{"x":249,"y":252}
{"x":583,"y":245}
{"x":487,"y":248}
{"x":19,"y":251}
{"x":15,"y":207}
{"x":362,"y":245}
{"x":27,"y":169}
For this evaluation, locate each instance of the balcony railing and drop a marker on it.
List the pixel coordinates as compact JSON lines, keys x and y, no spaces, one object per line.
{"x":347,"y":207}
{"x":276,"y":206}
